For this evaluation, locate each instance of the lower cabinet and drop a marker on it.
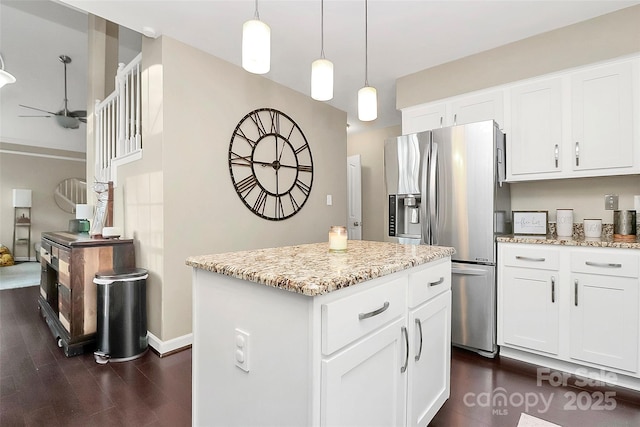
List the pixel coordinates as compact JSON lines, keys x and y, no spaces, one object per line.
{"x":604,"y":309}
{"x":375,"y":354}
{"x":430,"y":361}
{"x":364,"y":385}
{"x":580,"y":307}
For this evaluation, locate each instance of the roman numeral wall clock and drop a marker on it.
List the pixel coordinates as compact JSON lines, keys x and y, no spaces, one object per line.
{"x":270,"y":164}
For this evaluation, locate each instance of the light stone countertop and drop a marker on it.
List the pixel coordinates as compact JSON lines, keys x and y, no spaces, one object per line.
{"x":310,"y":269}
{"x":604,"y":242}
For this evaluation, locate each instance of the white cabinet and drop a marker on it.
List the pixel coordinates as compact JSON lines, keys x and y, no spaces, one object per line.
{"x":578,"y":306}
{"x":602,"y":113}
{"x":424,"y":117}
{"x":381,"y":379}
{"x":486,"y":105}
{"x":535,"y":138}
{"x":575,"y":124}
{"x":604,"y":309}
{"x":364,"y":385}
{"x":480,"y":106}
{"x":529,"y":298}
{"x":377,"y":353}
{"x":430,"y":328}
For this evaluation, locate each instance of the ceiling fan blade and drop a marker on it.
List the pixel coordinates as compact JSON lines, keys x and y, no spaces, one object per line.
{"x":35,"y":116}
{"x":37,"y":109}
{"x":78,"y":113}
{"x":82,"y":119}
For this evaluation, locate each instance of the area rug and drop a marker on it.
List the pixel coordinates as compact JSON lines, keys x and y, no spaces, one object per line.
{"x":527,"y":420}
{"x":20,"y":275}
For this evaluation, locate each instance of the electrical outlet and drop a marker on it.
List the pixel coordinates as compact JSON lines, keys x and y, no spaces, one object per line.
{"x":611,"y":202}
{"x":242,"y":350}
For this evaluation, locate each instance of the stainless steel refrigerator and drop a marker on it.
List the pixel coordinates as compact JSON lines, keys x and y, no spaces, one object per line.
{"x":446,"y":187}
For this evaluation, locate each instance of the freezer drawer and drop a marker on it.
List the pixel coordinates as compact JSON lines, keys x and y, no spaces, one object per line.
{"x":473,"y":311}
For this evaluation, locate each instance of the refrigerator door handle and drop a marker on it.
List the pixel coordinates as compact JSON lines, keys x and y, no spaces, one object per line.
{"x":424,"y":214}
{"x":468,"y":271}
{"x":433,"y":197}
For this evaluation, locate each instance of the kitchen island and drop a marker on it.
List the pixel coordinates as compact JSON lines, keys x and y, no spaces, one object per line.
{"x":303,"y":336}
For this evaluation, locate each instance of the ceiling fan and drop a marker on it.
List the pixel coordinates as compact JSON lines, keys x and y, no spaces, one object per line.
{"x":65,"y":118}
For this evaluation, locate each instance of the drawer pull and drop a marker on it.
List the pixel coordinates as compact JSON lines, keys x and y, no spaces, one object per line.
{"x":439,"y":282}
{"x":575,"y":292}
{"x":406,"y":344}
{"x":419,"y":324}
{"x":603,"y":264}
{"x":528,"y":258}
{"x":363,"y":316}
{"x":553,"y":289}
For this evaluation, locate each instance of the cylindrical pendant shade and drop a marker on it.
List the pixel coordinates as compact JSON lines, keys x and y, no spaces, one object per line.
{"x":367,"y":104}
{"x":322,"y":79}
{"x":256,"y":47}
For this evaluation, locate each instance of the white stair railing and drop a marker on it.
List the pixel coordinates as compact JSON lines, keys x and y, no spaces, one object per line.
{"x":118,"y":127}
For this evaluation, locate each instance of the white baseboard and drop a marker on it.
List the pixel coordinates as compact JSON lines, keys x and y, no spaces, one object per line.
{"x":164,"y":347}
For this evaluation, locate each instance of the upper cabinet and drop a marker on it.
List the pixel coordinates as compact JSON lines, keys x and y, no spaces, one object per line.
{"x":579,"y":123}
{"x":535,"y":134}
{"x":478,"y":107}
{"x":602,"y":118}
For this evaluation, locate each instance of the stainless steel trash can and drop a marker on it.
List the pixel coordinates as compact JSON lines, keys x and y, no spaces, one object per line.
{"x":121,"y":333}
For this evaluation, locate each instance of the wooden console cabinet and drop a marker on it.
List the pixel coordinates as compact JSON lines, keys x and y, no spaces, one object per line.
{"x":67,"y":299}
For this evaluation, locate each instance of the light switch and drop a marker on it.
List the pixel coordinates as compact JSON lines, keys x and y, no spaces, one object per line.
{"x":329,"y":200}
{"x":241,"y":355}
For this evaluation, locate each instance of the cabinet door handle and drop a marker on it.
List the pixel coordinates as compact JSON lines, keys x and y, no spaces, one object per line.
{"x":441,"y":121}
{"x":553,"y":289}
{"x":527,"y":258}
{"x":575,"y":292}
{"x":603,"y":264}
{"x":577,"y":153}
{"x":419,"y":325}
{"x":406,"y":344}
{"x":363,"y":316}
{"x":556,"y":153}
{"x":455,"y":119}
{"x":439,"y":282}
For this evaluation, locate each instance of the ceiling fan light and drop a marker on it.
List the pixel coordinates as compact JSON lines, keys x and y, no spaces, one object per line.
{"x":367,"y":104}
{"x":322,"y":79}
{"x":67,"y":122}
{"x":256,"y":46}
{"x":6,"y":78}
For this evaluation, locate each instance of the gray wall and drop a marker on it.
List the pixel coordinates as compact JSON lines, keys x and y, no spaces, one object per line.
{"x":39,"y":170}
{"x":179,"y":201}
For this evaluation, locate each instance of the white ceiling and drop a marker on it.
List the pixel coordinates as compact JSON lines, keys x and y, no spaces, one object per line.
{"x":404,"y":36}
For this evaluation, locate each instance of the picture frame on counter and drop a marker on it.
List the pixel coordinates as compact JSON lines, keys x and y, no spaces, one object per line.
{"x":531,"y":223}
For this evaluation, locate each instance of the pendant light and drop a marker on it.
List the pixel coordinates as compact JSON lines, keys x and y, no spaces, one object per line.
{"x":5,"y":77}
{"x":256,"y":45}
{"x":367,"y":96}
{"x":322,"y":69}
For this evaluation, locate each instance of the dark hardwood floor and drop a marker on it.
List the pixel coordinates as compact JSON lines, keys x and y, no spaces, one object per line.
{"x":41,"y":387}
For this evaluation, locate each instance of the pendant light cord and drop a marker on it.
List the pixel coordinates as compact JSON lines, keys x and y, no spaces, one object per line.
{"x":1,"y":63}
{"x":366,"y":43}
{"x":322,"y":29}
{"x":257,"y":15}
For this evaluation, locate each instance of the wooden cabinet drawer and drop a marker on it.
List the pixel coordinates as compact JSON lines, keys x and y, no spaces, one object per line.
{"x":530,"y":257}
{"x":347,"y":319}
{"x":429,"y":282}
{"x":610,"y":263}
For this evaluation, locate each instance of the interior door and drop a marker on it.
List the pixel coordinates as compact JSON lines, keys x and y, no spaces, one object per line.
{"x":354,"y":198}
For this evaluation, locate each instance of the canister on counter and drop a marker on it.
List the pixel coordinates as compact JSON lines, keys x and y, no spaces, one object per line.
{"x":624,"y":225}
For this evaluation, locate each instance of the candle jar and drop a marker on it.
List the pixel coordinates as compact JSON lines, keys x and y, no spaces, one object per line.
{"x":337,"y":238}
{"x":564,"y":222}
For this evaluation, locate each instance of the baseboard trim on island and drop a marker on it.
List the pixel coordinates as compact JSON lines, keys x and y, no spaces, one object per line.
{"x":165,"y":348}
{"x":600,"y":375}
